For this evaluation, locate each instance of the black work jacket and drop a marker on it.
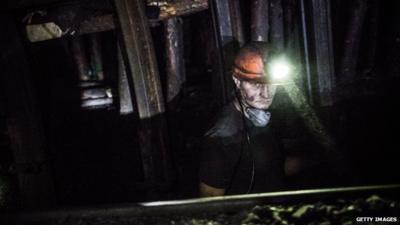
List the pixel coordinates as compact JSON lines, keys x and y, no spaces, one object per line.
{"x":240,"y":157}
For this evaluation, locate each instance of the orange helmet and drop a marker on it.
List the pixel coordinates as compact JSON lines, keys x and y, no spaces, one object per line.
{"x":251,"y":61}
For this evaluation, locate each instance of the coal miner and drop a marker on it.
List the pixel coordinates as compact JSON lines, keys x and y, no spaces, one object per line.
{"x":240,"y":153}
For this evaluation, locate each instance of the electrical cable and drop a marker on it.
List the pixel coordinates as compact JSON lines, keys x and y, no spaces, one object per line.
{"x":247,"y":137}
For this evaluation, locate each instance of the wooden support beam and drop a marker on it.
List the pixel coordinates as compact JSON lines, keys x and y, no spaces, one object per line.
{"x":23,"y":117}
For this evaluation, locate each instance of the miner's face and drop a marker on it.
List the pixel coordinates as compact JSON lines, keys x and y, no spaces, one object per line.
{"x":257,"y":95}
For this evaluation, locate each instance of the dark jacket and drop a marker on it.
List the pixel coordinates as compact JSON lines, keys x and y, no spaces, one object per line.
{"x":240,"y":157}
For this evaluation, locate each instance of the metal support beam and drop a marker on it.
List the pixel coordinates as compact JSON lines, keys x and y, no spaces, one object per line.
{"x":291,"y":24}
{"x":96,"y":60}
{"x":101,"y":23}
{"x":292,"y":38}
{"x":373,"y":27}
{"x":237,"y":23}
{"x":174,"y":57}
{"x":140,"y":61}
{"x":80,"y":59}
{"x":348,"y":65}
{"x":181,"y":8}
{"x":277,"y":29}
{"x":223,"y":21}
{"x":259,"y":20}
{"x":138,"y":50}
{"x":24,"y":121}
{"x":306,"y":54}
{"x":124,"y":93}
{"x":322,"y":36}
{"x":226,"y":45}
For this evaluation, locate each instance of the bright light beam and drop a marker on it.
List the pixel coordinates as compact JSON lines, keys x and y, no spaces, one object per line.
{"x":309,"y":116}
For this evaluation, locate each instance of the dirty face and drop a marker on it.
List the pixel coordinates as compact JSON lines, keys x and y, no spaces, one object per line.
{"x":256,"y":95}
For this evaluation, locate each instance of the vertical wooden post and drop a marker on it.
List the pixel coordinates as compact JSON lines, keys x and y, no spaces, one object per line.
{"x":23,"y":118}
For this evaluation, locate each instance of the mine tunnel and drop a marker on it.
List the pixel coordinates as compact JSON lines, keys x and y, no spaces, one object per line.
{"x":147,"y":112}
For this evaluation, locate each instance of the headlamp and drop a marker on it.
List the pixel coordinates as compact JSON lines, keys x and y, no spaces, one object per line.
{"x":280,"y":70}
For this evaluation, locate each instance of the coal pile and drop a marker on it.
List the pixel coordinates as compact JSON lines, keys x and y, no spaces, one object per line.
{"x":340,"y":211}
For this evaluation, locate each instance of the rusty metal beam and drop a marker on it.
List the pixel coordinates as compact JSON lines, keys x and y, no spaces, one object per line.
{"x":259,"y":20}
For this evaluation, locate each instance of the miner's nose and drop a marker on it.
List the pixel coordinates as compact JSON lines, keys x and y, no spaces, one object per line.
{"x":266,"y":90}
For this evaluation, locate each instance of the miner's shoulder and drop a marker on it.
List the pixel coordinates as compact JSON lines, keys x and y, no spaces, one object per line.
{"x":228,"y":124}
